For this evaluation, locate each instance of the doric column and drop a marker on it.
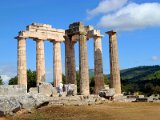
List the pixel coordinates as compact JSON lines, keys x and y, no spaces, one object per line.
{"x":57,"y":65}
{"x":22,"y":71}
{"x":114,"y":65}
{"x":70,"y":68}
{"x":83,"y":65}
{"x":40,"y":61}
{"x":98,"y":65}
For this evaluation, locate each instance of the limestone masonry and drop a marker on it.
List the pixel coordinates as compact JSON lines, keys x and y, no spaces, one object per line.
{"x":76,"y":32}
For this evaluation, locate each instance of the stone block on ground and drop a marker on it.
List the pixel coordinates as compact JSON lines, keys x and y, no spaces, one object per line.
{"x":8,"y":105}
{"x":46,"y":89}
{"x":33,"y":90}
{"x":107,"y":93}
{"x":27,"y":101}
{"x":40,"y":100}
{"x":55,"y":91}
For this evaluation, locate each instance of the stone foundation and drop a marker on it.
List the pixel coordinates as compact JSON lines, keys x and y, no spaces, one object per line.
{"x":12,"y":90}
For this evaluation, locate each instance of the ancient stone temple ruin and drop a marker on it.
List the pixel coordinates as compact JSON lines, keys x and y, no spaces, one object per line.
{"x":40,"y":33}
{"x":76,"y":32}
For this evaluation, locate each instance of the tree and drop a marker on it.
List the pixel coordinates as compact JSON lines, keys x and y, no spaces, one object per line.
{"x":78,"y":81}
{"x":1,"y":81}
{"x":63,"y":79}
{"x":92,"y":85}
{"x":106,"y":81}
{"x":31,"y":79}
{"x":156,"y":90}
{"x":13,"y":81}
{"x":148,"y":89}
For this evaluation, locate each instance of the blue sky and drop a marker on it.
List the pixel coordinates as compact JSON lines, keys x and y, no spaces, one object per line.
{"x":137,"y":23}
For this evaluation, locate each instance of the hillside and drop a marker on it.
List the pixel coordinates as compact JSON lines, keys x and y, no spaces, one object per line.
{"x":140,"y":73}
{"x":143,"y":79}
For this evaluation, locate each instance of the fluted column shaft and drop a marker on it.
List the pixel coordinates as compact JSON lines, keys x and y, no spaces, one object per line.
{"x":22,"y":71}
{"x":40,"y":61}
{"x":70,"y":67}
{"x":83,"y":62}
{"x":114,"y":65}
{"x":57,"y":65}
{"x":98,"y":65}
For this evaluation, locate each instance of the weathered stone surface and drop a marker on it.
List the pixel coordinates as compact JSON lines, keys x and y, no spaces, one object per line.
{"x":55,"y":91}
{"x":27,"y":101}
{"x":40,"y":99}
{"x":154,"y":98}
{"x":77,"y":100}
{"x":38,"y":32}
{"x":107,"y":92}
{"x":83,"y":62}
{"x":8,"y":105}
{"x":30,"y":101}
{"x":70,"y":67}
{"x":98,"y":65}
{"x":22,"y":70}
{"x":140,"y":96}
{"x":12,"y":90}
{"x":33,"y":90}
{"x":106,"y":87}
{"x":43,"y":31}
{"x":57,"y":65}
{"x":121,"y":98}
{"x":45,"y":89}
{"x":40,"y":61}
{"x":114,"y":65}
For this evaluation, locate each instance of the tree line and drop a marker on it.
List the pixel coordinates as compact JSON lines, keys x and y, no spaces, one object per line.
{"x":142,"y":80}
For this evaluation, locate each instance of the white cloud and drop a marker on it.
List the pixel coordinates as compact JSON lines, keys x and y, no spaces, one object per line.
{"x":155,"y":58}
{"x":133,"y":16}
{"x":5,"y":78}
{"x":106,"y":6}
{"x":7,"y":71}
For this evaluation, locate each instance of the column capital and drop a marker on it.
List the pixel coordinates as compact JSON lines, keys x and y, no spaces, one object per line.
{"x":19,"y":37}
{"x":95,"y":37}
{"x":54,"y":42}
{"x":37,"y":39}
{"x":111,"y":32}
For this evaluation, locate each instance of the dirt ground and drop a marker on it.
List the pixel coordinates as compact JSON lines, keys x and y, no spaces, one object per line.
{"x":107,"y":111}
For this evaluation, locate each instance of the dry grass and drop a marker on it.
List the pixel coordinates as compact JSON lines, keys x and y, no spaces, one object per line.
{"x":108,"y":111}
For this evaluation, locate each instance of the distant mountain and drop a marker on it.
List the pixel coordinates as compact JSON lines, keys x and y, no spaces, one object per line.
{"x":91,"y":73}
{"x":141,"y":73}
{"x":142,"y":79}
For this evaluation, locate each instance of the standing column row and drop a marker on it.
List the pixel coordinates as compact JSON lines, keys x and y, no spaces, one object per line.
{"x":40,"y":62}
